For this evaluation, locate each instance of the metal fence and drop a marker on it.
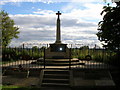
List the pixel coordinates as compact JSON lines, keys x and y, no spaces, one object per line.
{"x":34,"y":57}
{"x":13,"y":57}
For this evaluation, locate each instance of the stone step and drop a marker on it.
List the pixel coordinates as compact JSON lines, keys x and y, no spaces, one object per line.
{"x":61,"y":60}
{"x":54,"y":85}
{"x":60,"y":64}
{"x":64,"y":62}
{"x":50,"y":60}
{"x":57,"y":67}
{"x":53,"y":80}
{"x":56,"y":72}
{"x":60,"y":76}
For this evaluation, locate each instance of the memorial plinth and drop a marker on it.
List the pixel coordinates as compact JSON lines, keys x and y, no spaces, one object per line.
{"x":57,"y":49}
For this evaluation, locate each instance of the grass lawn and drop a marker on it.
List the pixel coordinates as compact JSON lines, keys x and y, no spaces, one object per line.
{"x":4,"y":62}
{"x":5,"y":87}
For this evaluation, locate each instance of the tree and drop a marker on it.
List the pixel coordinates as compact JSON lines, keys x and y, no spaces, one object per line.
{"x":109,"y":28}
{"x":35,"y":48}
{"x":84,"y":47}
{"x":112,"y":0}
{"x":9,"y":30}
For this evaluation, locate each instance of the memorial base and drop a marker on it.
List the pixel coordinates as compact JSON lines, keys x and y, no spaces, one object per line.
{"x":57,"y":51}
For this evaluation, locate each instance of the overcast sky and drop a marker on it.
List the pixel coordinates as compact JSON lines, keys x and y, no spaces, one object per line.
{"x":36,"y":20}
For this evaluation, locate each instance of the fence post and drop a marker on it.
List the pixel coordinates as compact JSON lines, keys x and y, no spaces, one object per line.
{"x":44,"y":58}
{"x":70,"y":59}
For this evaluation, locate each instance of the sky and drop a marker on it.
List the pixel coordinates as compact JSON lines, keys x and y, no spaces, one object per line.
{"x":36,"y":20}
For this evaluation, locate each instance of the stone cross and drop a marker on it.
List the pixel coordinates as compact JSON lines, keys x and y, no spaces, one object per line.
{"x":58,"y":14}
{"x":58,"y":33}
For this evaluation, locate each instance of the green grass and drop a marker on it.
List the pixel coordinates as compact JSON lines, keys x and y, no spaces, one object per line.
{"x":4,"y":87}
{"x":4,"y":62}
{"x":0,"y":62}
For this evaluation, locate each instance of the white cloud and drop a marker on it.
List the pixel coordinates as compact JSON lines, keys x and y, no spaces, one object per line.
{"x":33,"y":7}
{"x":86,"y":1}
{"x":35,"y":21}
{"x":42,"y":28}
{"x":88,"y":12}
{"x":77,"y":25}
{"x":49,"y":1}
{"x":44,"y":12}
{"x":54,"y":1}
{"x":78,"y":22}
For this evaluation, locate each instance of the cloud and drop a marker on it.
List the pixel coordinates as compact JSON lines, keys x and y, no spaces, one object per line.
{"x":43,"y":28}
{"x":76,"y":22}
{"x":88,"y":11}
{"x":33,"y":20}
{"x":78,"y":25}
{"x":44,"y":12}
{"x":55,"y":1}
{"x":49,"y":0}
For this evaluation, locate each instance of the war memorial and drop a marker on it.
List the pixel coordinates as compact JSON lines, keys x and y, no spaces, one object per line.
{"x":58,"y":49}
{"x":57,"y":70}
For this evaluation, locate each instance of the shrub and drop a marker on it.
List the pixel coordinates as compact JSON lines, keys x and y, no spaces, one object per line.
{"x":9,"y":54}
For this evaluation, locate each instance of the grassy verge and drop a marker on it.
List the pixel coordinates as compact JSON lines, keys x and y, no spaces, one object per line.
{"x":17,"y":88}
{"x":8,"y":87}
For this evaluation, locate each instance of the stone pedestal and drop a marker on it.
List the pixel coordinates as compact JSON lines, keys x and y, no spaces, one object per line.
{"x":57,"y":51}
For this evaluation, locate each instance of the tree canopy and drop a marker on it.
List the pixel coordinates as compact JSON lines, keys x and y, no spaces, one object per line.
{"x":109,"y":28}
{"x":9,"y":30}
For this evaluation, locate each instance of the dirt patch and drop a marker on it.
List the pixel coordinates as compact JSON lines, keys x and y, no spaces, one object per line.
{"x":23,"y":82}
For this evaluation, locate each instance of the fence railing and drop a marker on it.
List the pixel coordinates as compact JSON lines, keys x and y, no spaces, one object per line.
{"x":13,"y":57}
{"x":29,"y":57}
{"x":22,"y":53}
